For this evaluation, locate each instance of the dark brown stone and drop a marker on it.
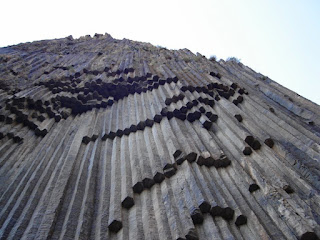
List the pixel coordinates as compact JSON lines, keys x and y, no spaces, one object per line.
{"x":213,"y":118}
{"x":238,"y":117}
{"x":189,"y":105}
{"x":181,"y":116}
{"x":216,"y":211}
{"x":200,"y":160}
{"x":41,"y":118}
{"x":168,"y":101}
{"x":249,"y":140}
{"x":164,"y":112}
{"x":227,"y":213}
{"x":247,"y":151}
{"x":309,"y":236}
{"x":128,"y":202}
{"x":211,"y":102}
{"x":231,"y":92}
{"x":191,"y":117}
{"x":41,"y":133}
{"x":209,"y":114}
{"x":225,"y":162}
{"x":170,"y":172}
{"x":94,"y":137}
{"x":197,"y":216}
{"x":235,"y":102}
{"x":184,"y":88}
{"x":119,"y":133}
{"x":149,"y":123}
{"x":157,"y":118}
{"x":311,"y":123}
{"x":241,"y":91}
{"x":158,"y":177}
{"x":191,"y":157}
{"x":16,"y":139}
{"x":180,"y":160}
{"x":138,"y":187}
{"x":57,"y":118}
{"x":195,"y":102}
{"x":184,"y":110}
{"x":209,"y":162}
{"x":240,"y":99}
{"x":177,"y":153}
{"x":86,"y":139}
{"x":218,"y":163}
{"x":104,"y":137}
{"x":148,"y":182}
{"x":288,"y":189}
{"x":115,"y":226}
{"x":234,"y":86}
{"x":253,"y":187}
{"x":192,"y":235}
{"x":207,"y":125}
{"x":205,"y":207}
{"x":169,"y":115}
{"x":175,"y":99}
{"x":126,"y":131}
{"x":241,"y":220}
{"x":269,"y":142}
{"x":111,"y":135}
{"x":141,"y":125}
{"x":133,"y":128}
{"x":256,"y":145}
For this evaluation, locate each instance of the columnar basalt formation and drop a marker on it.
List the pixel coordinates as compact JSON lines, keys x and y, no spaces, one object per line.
{"x":114,"y":139}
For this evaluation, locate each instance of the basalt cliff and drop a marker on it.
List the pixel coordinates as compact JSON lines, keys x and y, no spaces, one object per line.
{"x":116,"y":139}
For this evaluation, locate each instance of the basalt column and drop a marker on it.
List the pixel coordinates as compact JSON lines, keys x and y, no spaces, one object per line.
{"x":115,"y":139}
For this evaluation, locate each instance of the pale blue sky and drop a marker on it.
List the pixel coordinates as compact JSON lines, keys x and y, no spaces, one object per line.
{"x":280,"y":39}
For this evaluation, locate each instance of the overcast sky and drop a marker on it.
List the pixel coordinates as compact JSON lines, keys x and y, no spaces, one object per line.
{"x":279,"y":39}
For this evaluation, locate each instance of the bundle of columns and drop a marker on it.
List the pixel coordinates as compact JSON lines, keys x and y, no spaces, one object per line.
{"x":115,"y":139}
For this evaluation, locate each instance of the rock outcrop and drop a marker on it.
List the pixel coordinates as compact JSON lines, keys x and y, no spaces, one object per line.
{"x":115,"y":139}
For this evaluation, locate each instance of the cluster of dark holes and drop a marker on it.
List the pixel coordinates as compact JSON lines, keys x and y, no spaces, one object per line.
{"x":197,"y":213}
{"x":174,"y":99}
{"x":96,"y":90}
{"x":221,"y":89}
{"x":119,"y":91}
{"x":107,"y":70}
{"x":181,"y":114}
{"x":215,"y":74}
{"x":178,"y":113}
{"x":16,"y":106}
{"x":309,"y":236}
{"x":255,"y":144}
{"x":93,"y":93}
{"x":10,"y":135}
{"x":238,"y":117}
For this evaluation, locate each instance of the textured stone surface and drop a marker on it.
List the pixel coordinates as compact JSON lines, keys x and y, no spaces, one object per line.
{"x":114,"y":139}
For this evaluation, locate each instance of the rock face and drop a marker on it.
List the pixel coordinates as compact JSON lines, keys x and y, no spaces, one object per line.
{"x":116,"y":139}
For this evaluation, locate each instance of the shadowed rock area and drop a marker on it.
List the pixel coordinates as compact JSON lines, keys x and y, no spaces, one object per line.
{"x":115,"y":139}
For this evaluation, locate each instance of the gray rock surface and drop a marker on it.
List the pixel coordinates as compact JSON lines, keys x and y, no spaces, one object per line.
{"x":115,"y":139}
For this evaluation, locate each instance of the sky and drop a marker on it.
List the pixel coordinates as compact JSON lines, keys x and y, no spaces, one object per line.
{"x":279,"y":39}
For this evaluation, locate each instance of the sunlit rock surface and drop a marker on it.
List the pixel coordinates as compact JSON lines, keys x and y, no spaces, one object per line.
{"x":114,"y":139}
